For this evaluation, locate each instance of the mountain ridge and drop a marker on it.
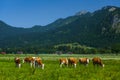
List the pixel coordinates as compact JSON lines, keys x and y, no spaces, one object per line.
{"x":98,"y":29}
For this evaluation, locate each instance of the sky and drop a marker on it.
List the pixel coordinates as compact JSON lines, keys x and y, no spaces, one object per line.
{"x":27,"y":13}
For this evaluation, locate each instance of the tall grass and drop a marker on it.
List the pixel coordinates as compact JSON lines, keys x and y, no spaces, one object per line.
{"x":52,"y":70}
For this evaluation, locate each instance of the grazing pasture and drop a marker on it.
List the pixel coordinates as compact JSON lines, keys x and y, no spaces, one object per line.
{"x":52,"y":70}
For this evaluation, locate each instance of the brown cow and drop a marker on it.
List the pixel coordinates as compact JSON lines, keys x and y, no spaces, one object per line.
{"x":84,"y":61}
{"x":63,"y":61}
{"x":72,"y":61}
{"x":17,"y":62}
{"x":29,"y":60}
{"x":38,"y":62}
{"x":97,"y":61}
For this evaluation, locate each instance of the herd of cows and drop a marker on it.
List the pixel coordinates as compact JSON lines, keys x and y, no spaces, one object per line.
{"x":34,"y":61}
{"x":85,"y":61}
{"x":37,"y":61}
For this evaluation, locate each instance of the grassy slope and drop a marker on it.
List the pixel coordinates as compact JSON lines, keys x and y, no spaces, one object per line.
{"x":52,"y":71}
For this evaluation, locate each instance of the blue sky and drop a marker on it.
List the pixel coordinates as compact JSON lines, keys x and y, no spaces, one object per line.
{"x":27,"y":13}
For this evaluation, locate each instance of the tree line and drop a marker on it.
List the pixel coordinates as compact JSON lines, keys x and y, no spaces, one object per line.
{"x":74,"y":48}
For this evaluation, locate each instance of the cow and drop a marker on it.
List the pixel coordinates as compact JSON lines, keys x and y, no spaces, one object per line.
{"x":29,"y":60}
{"x":84,"y":61}
{"x":97,"y":61}
{"x":38,"y":62}
{"x":17,"y":62}
{"x":72,"y":61}
{"x":63,"y":61}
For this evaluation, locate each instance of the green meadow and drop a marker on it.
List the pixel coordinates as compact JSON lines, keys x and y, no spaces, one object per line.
{"x":52,"y":70}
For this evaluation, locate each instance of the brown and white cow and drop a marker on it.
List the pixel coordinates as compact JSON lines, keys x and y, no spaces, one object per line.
{"x":97,"y":61}
{"x":38,"y":62}
{"x":29,"y":60}
{"x":84,"y":61}
{"x":17,"y":62}
{"x":63,"y":61}
{"x":72,"y":61}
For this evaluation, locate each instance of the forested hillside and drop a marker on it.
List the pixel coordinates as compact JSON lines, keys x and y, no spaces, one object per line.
{"x":100,"y":29}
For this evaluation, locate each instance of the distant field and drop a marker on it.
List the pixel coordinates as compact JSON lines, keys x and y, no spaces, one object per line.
{"x":52,"y":71}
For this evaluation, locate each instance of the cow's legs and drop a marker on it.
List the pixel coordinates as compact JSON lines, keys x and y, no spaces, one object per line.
{"x":61,"y":64}
{"x":43,"y":66}
{"x":75,"y":65}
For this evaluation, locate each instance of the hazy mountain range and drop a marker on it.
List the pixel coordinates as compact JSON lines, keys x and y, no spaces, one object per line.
{"x":98,"y":29}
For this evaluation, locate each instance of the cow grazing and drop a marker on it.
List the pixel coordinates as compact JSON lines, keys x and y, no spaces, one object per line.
{"x":84,"y":61}
{"x":97,"y":61}
{"x":63,"y":61}
{"x":72,"y":61}
{"x":38,"y":62}
{"x":29,"y":60}
{"x":17,"y":62}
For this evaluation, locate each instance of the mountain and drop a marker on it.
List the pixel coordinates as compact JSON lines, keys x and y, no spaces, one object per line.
{"x":98,"y":29}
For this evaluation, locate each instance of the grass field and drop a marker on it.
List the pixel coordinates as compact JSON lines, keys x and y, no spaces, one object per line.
{"x":52,"y":71}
